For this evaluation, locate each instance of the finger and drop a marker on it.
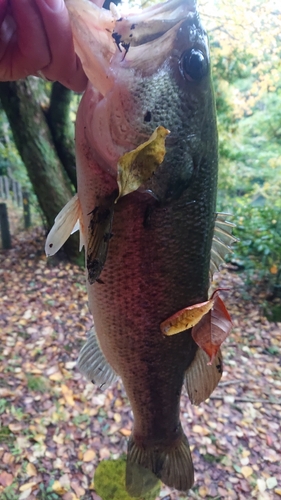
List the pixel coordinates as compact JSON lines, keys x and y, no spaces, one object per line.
{"x":65,"y":65}
{"x":31,"y":52}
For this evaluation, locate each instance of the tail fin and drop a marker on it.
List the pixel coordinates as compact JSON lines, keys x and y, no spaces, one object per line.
{"x":173,"y":465}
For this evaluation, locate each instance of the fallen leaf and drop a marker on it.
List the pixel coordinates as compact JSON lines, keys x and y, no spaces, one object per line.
{"x":125,"y":432}
{"x":246,"y":471}
{"x":137,"y":166}
{"x":67,"y":394}
{"x":203,"y":491}
{"x":59,"y":439}
{"x":261,"y":484}
{"x":26,"y":486}
{"x":56,"y":377}
{"x":271,"y":482}
{"x":31,"y":470}
{"x":212,"y":329}
{"x":25,"y":494}
{"x":15,"y":427}
{"x":198,"y":429}
{"x":79,"y":491}
{"x":89,"y":455}
{"x":6,"y":479}
{"x":186,"y":318}
{"x":58,"y":488}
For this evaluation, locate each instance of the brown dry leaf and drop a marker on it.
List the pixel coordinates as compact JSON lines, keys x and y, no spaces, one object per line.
{"x":125,"y":432}
{"x":213,"y":328}
{"x":4,"y":393}
{"x":79,"y":491}
{"x":89,"y":455}
{"x":39,"y":438}
{"x":59,"y":439}
{"x":137,"y":166}
{"x":56,"y":377}
{"x":203,"y":491}
{"x":31,"y":470}
{"x":198,"y":429}
{"x":58,"y":488}
{"x":68,"y":395}
{"x":117,"y":417}
{"x":6,"y":479}
{"x":15,"y":427}
{"x":26,"y":486}
{"x":186,"y":318}
{"x":246,"y":471}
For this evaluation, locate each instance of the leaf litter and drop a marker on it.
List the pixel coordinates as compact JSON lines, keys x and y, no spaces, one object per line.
{"x":56,"y":427}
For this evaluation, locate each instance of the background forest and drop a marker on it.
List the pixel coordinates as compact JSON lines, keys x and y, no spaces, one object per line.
{"x":245,"y":46}
{"x":54,"y":427}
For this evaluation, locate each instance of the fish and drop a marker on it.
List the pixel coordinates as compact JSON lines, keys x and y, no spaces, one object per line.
{"x":147,"y":165}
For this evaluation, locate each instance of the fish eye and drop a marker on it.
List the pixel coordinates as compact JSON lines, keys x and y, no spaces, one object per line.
{"x":194,"y":65}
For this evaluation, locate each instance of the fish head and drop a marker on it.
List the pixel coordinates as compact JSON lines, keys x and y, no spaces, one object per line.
{"x":145,"y":70}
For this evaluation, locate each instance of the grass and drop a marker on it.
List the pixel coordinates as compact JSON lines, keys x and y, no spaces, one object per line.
{"x":37,"y":384}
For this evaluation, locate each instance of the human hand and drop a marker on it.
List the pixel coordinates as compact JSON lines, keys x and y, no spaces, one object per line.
{"x":35,"y":36}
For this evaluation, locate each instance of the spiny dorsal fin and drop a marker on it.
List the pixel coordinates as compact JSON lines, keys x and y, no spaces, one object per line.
{"x":93,"y":365}
{"x":67,"y":222}
{"x":222,"y":241}
{"x":201,"y":378}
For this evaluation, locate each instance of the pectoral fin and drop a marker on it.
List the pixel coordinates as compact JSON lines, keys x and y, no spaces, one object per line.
{"x":67,"y":222}
{"x":99,"y":234}
{"x":92,"y":363}
{"x":201,"y":378}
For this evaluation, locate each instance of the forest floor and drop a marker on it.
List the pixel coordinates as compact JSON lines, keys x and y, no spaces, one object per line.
{"x":56,"y":427}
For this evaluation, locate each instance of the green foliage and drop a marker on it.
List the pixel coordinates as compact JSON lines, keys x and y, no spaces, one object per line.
{"x":248,"y":96}
{"x":37,"y":384}
{"x":259,"y":232}
{"x":10,"y":493}
{"x":3,"y":405}
{"x":5,"y":434}
{"x":110,"y":482}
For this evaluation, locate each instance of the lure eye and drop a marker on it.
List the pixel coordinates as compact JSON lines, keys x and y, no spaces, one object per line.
{"x":194,"y":65}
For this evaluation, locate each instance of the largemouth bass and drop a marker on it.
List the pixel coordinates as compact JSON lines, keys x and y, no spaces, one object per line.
{"x":150,"y":250}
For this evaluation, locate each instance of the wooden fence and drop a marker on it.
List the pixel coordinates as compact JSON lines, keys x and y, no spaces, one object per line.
{"x":12,"y":199}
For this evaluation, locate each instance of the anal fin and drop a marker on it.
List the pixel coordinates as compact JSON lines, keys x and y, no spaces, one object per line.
{"x":93,"y":365}
{"x":171,"y":463}
{"x":201,"y":378}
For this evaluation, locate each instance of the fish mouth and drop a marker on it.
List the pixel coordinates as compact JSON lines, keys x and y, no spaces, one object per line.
{"x":103,"y":36}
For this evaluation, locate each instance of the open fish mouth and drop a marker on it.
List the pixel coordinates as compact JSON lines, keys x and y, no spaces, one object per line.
{"x":104,"y":38}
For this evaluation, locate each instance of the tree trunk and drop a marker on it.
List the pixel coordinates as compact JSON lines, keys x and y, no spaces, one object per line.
{"x":62,"y":129}
{"x":35,"y":144}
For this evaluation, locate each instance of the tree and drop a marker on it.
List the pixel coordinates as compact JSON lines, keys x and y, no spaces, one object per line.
{"x":44,"y":137}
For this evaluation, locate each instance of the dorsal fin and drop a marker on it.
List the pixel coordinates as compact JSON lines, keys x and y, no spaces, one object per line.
{"x":222,"y":241}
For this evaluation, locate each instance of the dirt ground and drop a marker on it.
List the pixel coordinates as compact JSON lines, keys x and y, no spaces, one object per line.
{"x":56,"y":427}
